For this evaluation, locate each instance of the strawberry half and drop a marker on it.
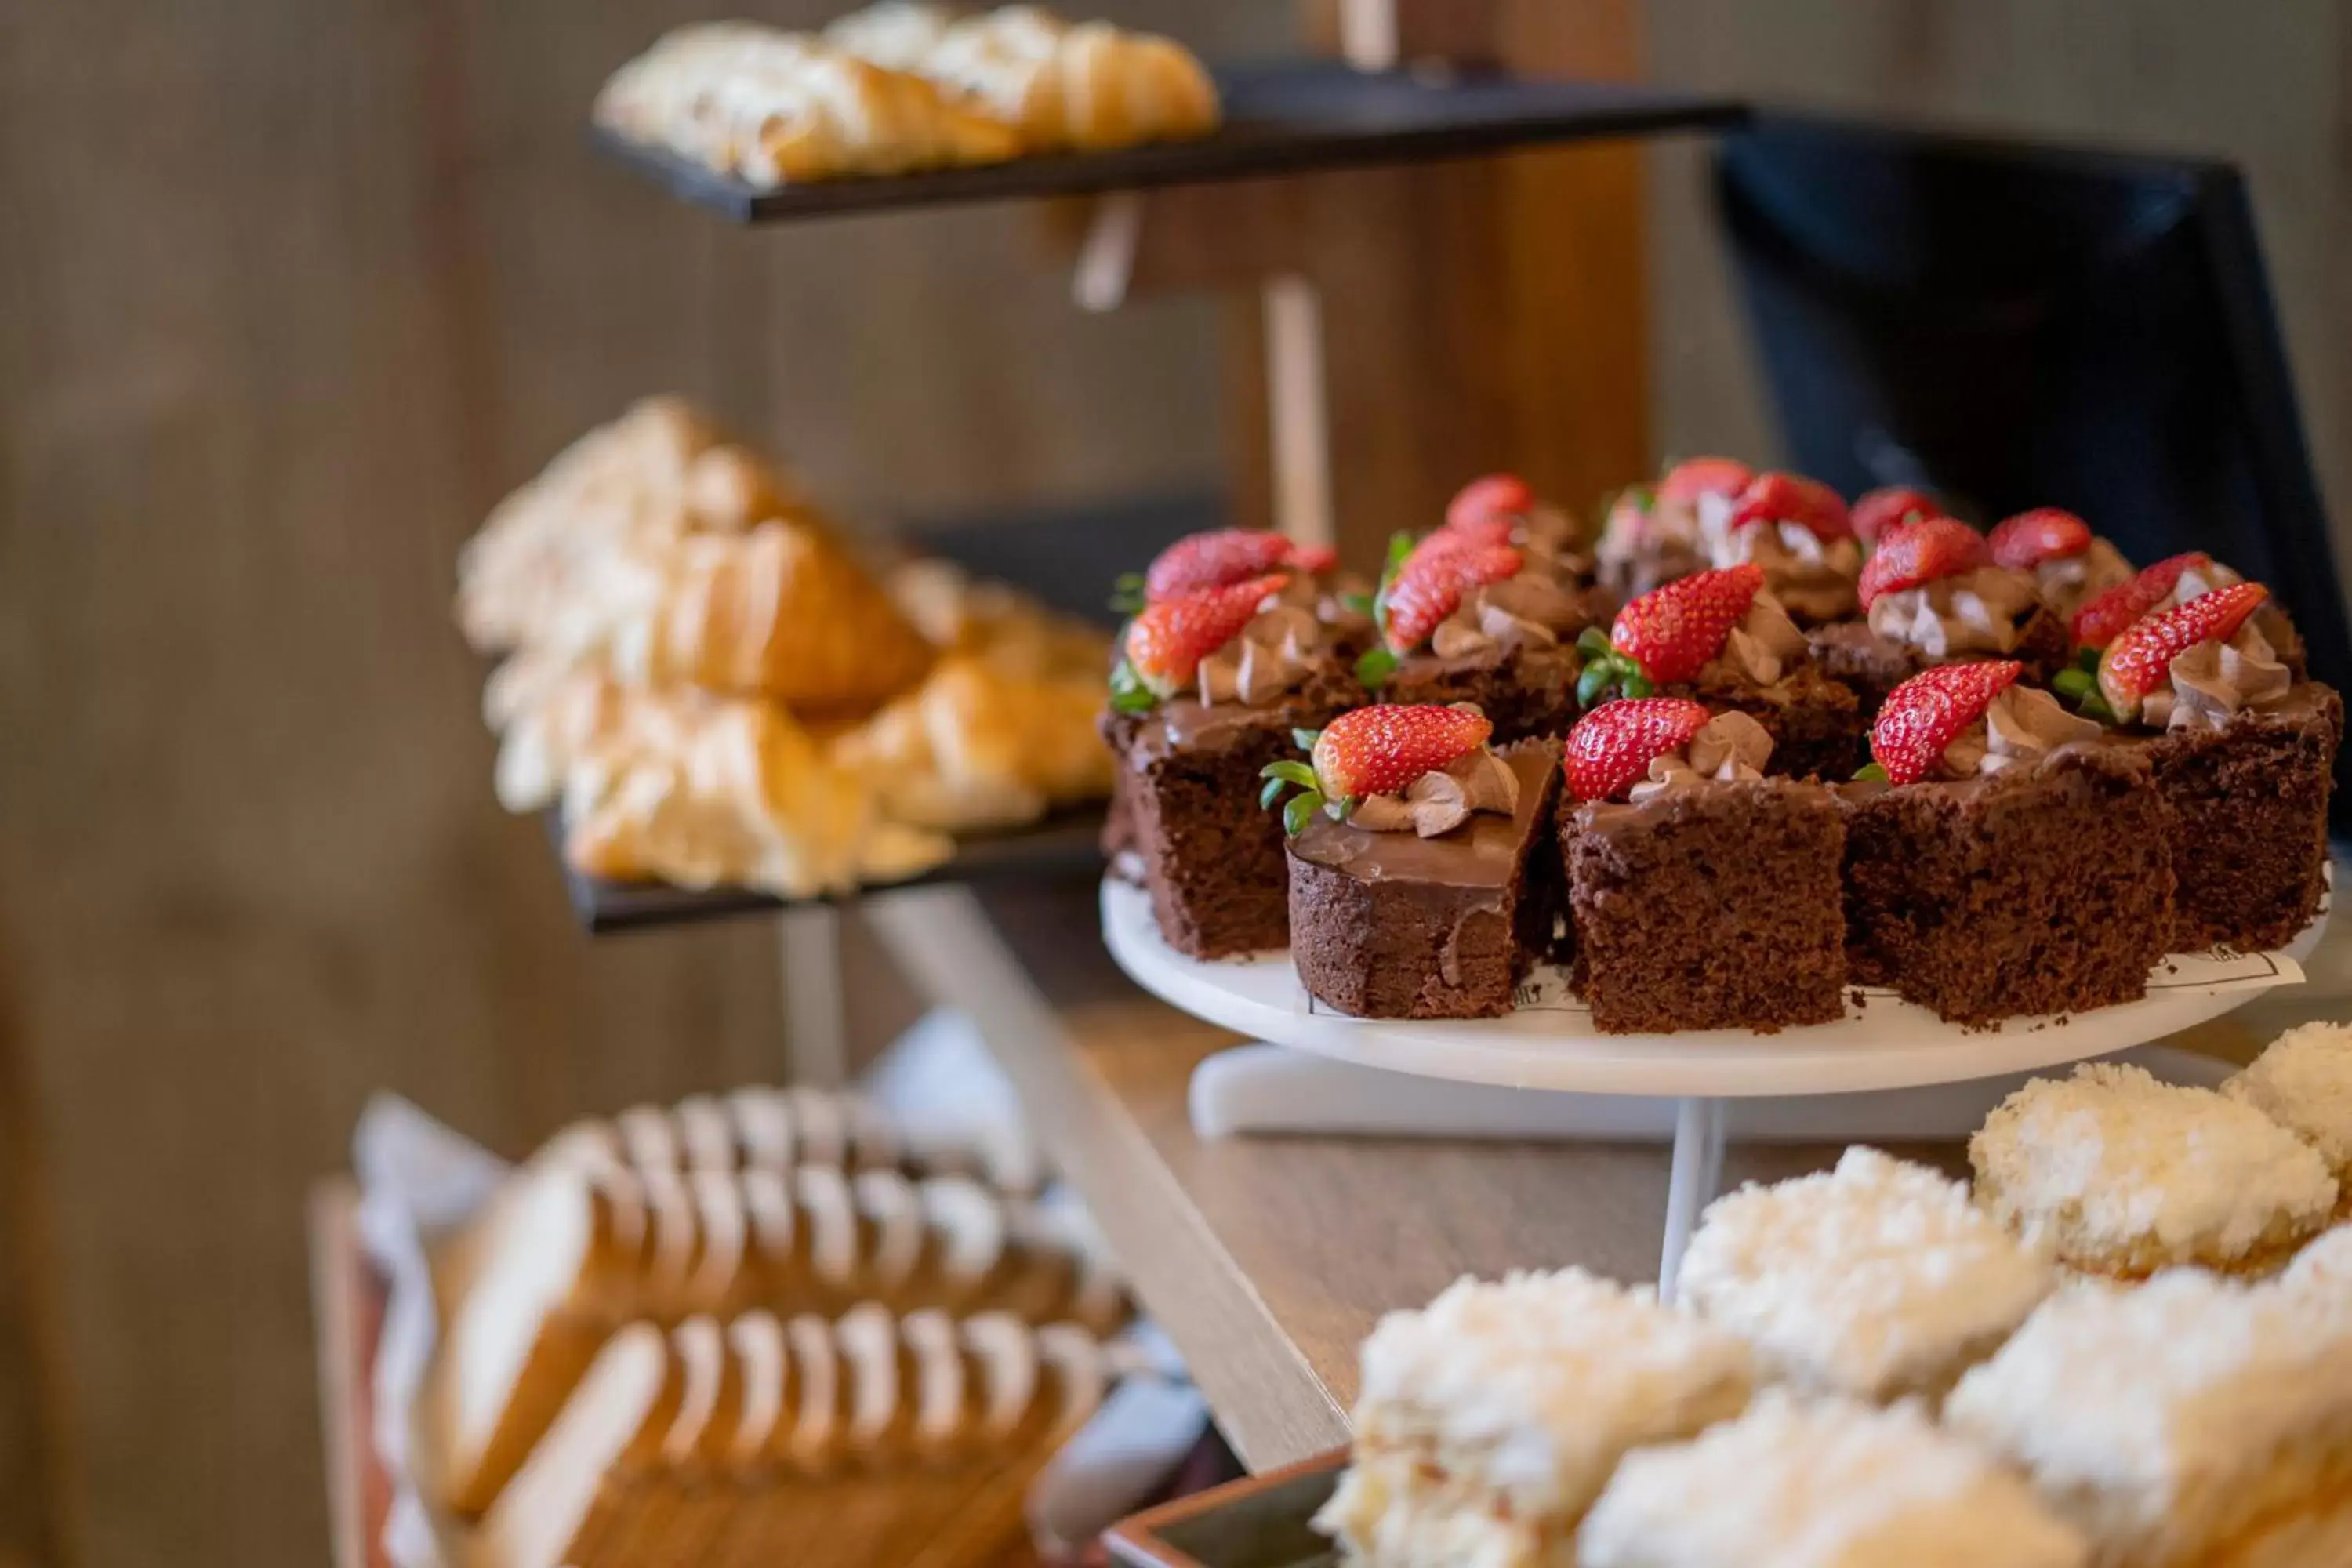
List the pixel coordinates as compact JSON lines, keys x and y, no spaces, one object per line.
{"x":1610,"y":750}
{"x":1792,"y":498}
{"x":1667,"y":633}
{"x":1883,"y":509}
{"x":1370,"y":750}
{"x":1695,"y":477}
{"x":1928,"y":713}
{"x":2046,"y":534}
{"x":1918,"y":553}
{"x":1425,"y":584}
{"x":2139,"y":660}
{"x":2098,"y":622}
{"x":1503,"y":495}
{"x":1213,"y":560}
{"x":1165,"y":643}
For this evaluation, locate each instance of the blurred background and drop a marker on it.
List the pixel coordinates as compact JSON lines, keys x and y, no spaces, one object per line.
{"x":293,"y":290}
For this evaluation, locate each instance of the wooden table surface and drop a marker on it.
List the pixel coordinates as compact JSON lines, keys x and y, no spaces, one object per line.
{"x":1268,"y":1259}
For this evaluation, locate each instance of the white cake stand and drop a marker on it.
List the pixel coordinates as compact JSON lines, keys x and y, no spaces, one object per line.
{"x":1550,"y":1043}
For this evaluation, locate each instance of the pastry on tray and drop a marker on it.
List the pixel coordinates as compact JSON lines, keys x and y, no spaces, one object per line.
{"x":2303,"y":1081}
{"x":774,"y":108}
{"x":974,"y":748}
{"x":1797,"y":530}
{"x":2121,"y":1175}
{"x":1210,"y":687}
{"x":2244,"y":754}
{"x":1488,"y":1421}
{"x":1933,"y":595}
{"x":1465,"y":618}
{"x":1721,"y":638}
{"x":2190,"y":1423}
{"x":1057,"y":85}
{"x":1656,"y":532}
{"x":1794,"y":1483}
{"x":1704,"y":895}
{"x":2071,"y":565}
{"x":1420,"y":862}
{"x":2011,"y":860}
{"x":1876,"y":1280}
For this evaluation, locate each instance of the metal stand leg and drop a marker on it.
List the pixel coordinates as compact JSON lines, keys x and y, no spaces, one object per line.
{"x":1691,"y":1182}
{"x":816,"y":1013}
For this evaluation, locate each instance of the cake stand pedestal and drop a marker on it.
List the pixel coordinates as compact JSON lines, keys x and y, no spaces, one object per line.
{"x":1549,"y":1042}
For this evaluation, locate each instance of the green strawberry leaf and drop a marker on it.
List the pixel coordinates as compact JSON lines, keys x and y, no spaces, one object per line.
{"x":1593,"y":642}
{"x":1298,"y":774}
{"x":1304,"y":739}
{"x":1871,"y":771}
{"x":1270,"y":793}
{"x":1374,"y":669}
{"x":2073,"y":684}
{"x":1636,"y":684}
{"x":2087,"y":661}
{"x":1127,"y":593}
{"x":1338,"y":807}
{"x":1298,"y":813}
{"x":1597,"y":678}
{"x":1128,"y":694}
{"x":2094,"y":705}
{"x":1360,"y":603}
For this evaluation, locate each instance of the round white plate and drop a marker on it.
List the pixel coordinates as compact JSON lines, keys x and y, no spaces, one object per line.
{"x":1550,"y":1043}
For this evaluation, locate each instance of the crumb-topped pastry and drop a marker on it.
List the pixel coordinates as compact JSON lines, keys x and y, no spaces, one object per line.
{"x":1656,"y":534}
{"x":1797,"y":530}
{"x":1875,"y":1280}
{"x":2303,"y":1081}
{"x":1721,"y":638}
{"x":2323,"y":1272}
{"x":2122,"y":1174}
{"x":1489,"y":1420}
{"x":2245,"y":755}
{"x":1702,"y":895}
{"x":2188,"y":1423}
{"x":2070,"y":565}
{"x":2010,"y":861}
{"x":1933,"y":595}
{"x":1209,"y":689}
{"x":1823,"y":1483}
{"x":1420,"y":862}
{"x":1465,"y":619}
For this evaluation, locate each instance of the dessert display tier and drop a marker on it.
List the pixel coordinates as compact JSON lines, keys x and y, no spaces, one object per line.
{"x":1550,"y":1041}
{"x":1280,"y":119}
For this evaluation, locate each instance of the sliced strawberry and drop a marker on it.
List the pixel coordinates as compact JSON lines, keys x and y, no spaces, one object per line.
{"x":1610,"y":749}
{"x":1928,"y":713}
{"x":1695,"y":477}
{"x":1921,"y":552}
{"x":1213,"y":560}
{"x":1671,"y":632}
{"x":1315,"y":559}
{"x":1792,"y":498}
{"x":1429,"y":585}
{"x":2097,"y":623}
{"x":1165,"y":643}
{"x":1881,"y":509}
{"x":2139,"y":661}
{"x":1372,"y":751}
{"x":2046,"y":534}
{"x":1502,"y":496}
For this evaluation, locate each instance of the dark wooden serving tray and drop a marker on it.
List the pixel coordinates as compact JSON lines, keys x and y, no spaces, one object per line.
{"x":1279,"y":119}
{"x":1260,"y":1521}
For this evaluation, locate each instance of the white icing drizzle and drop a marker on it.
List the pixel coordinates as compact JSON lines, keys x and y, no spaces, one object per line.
{"x":1979,"y":611}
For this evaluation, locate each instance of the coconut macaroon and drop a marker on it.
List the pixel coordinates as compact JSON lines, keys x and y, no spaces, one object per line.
{"x":1825,"y":1484}
{"x":1876,"y":1280}
{"x":2303,"y":1081}
{"x":2121,"y":1175}
{"x":2192,"y":1420}
{"x":1490,"y":1419}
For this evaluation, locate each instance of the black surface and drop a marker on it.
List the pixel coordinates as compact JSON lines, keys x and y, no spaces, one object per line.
{"x":1068,"y":558}
{"x":2012,"y":324}
{"x":1279,"y":119}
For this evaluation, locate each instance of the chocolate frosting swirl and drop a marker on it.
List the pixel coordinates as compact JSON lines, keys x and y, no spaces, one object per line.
{"x":1273,"y":653}
{"x":1728,"y":747}
{"x":1639,"y":552}
{"x":1529,"y":610}
{"x":1978,"y":611}
{"x":2023,"y":724}
{"x":2067,"y":582}
{"x":1441,"y":800}
{"x":1765,"y":643}
{"x":2213,"y":682}
{"x":1814,"y":576}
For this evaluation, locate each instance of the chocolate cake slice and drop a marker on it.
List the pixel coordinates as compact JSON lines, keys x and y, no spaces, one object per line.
{"x":1390,"y":924}
{"x":1702,"y":895}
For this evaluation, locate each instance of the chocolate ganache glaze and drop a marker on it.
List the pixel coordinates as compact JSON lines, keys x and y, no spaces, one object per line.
{"x":1481,"y":852}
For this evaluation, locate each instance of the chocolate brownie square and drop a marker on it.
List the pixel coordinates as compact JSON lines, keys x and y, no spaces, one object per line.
{"x":2043,"y":889}
{"x":2249,"y":820}
{"x":1524,"y":691}
{"x":1712,"y":906}
{"x":1874,"y":664}
{"x":1392,"y":925}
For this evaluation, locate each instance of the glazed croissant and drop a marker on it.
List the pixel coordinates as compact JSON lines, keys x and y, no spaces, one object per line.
{"x":1059,"y":86}
{"x":975,"y":747}
{"x":779,"y":108}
